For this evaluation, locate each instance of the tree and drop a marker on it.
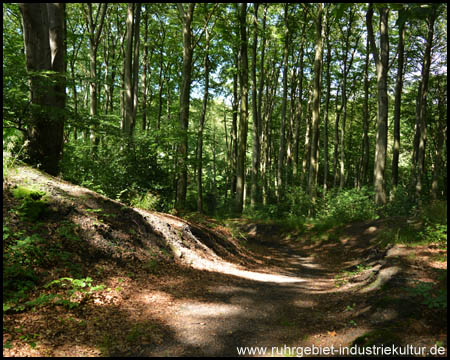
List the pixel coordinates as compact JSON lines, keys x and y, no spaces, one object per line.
{"x":316,"y":104}
{"x":398,"y":100}
{"x":202,"y":124}
{"x":243,"y":121}
{"x":186,"y":15}
{"x":381,"y":57}
{"x":282,"y":150}
{"x":347,"y":66}
{"x":131,"y":67}
{"x":364,"y":163}
{"x":421,"y":129}
{"x":94,"y":30}
{"x":255,"y":191}
{"x":43,"y":29}
{"x":327,"y":104}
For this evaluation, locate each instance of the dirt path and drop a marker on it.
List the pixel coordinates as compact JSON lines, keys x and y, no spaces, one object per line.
{"x":292,"y":300}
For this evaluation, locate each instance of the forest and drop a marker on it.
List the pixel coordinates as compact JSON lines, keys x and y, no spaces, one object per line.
{"x":260,"y":133}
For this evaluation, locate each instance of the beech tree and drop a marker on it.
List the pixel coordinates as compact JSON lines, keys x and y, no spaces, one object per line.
{"x":381,"y":58}
{"x":186,"y":15}
{"x":243,"y":119}
{"x":43,"y":30}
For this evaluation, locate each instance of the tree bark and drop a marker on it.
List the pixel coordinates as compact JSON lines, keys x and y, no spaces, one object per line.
{"x":313,"y":163}
{"x":256,"y":158}
{"x":234,"y":126}
{"x":381,"y":58}
{"x":365,"y":142}
{"x":131,"y":67}
{"x":282,"y":150}
{"x":422,"y":113}
{"x":45,"y":50}
{"x":95,"y":31}
{"x":243,"y":123}
{"x":327,"y":105}
{"x":201,"y":126}
{"x":398,"y":103}
{"x":441,"y":136}
{"x":185,"y":89}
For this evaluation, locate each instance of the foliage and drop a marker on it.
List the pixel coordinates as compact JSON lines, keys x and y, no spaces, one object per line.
{"x":32,"y":206}
{"x":148,"y":201}
{"x":347,"y":206}
{"x":13,"y":146}
{"x":129,"y":171}
{"x":343,"y":277}
{"x":435,"y":297}
{"x":402,"y":202}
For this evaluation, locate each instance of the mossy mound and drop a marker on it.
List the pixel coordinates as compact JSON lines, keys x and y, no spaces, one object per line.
{"x":33,"y":207}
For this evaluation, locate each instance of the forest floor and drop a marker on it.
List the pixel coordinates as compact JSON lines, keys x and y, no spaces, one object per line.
{"x":172,"y":287}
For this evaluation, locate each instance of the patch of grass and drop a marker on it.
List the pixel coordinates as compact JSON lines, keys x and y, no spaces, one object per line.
{"x":107,"y":344}
{"x":140,"y":333}
{"x":413,"y":234}
{"x":285,"y":322}
{"x":152,"y":266}
{"x":433,"y":296}
{"x":439,"y":257}
{"x":32,"y":206}
{"x":343,"y":277}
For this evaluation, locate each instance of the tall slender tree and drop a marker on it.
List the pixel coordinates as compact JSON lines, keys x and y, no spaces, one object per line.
{"x":243,"y":123}
{"x":186,"y":15}
{"x":131,"y":67}
{"x":398,"y":100}
{"x":421,"y":129}
{"x":282,"y":149}
{"x":381,"y":57}
{"x":256,"y":158}
{"x":313,"y":164}
{"x":95,"y":28}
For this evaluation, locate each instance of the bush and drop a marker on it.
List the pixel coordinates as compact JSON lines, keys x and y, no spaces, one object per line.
{"x":148,"y":201}
{"x":348,"y":206}
{"x":120,"y":169}
{"x":297,"y":202}
{"x":402,"y":203}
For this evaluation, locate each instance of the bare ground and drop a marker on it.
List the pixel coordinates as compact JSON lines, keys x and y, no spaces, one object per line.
{"x":178,"y":288}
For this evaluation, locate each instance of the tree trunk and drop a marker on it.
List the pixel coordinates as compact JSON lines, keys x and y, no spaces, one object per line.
{"x":45,"y":50}
{"x":131,"y":67}
{"x":256,"y":158}
{"x":381,"y":61}
{"x":185,"y":90}
{"x":201,"y":126}
{"x":327,"y":105}
{"x":243,"y":123}
{"x":441,"y":136}
{"x":299,"y":112}
{"x":347,"y":67}
{"x":336,"y":142}
{"x":234,"y":142}
{"x":397,"y":104}
{"x":422,"y":114}
{"x":307,"y":149}
{"x":365,"y":145}
{"x":95,"y":31}
{"x":313,"y":163}
{"x":282,"y":150}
